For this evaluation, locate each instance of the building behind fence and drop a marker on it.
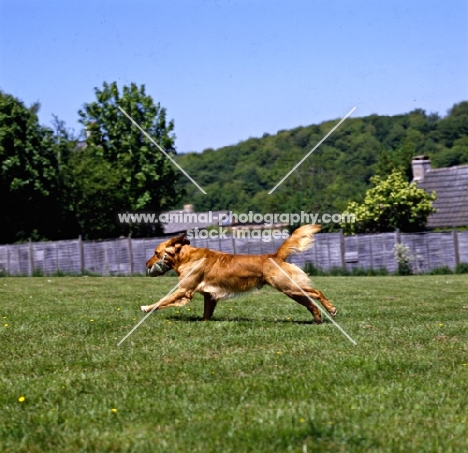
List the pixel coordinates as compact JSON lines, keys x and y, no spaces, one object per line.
{"x":331,"y":250}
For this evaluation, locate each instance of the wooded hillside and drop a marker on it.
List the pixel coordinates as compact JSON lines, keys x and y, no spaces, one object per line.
{"x":239,"y":177}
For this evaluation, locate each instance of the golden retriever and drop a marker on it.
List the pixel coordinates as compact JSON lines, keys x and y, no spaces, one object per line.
{"x":218,"y":275}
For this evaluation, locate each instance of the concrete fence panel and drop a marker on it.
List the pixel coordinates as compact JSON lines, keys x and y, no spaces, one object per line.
{"x":126,"y":256}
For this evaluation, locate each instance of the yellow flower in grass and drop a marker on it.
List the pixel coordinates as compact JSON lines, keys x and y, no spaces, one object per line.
{"x":301,"y":420}
{"x":5,"y":325}
{"x":114,"y":410}
{"x":21,"y":399}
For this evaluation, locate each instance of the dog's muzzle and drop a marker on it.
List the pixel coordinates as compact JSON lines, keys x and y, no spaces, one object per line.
{"x":159,"y":268}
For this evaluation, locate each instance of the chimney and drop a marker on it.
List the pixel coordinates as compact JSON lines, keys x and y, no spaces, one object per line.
{"x":421,"y":166}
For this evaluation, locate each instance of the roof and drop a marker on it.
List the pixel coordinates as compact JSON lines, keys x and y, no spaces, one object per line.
{"x":451,"y":187}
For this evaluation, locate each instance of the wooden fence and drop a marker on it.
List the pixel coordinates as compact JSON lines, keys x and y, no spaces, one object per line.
{"x":331,"y":250}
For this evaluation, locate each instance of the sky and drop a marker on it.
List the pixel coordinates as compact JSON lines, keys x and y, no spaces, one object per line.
{"x":229,"y":70}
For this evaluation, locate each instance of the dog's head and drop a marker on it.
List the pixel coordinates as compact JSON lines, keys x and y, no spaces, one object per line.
{"x":165,"y":255}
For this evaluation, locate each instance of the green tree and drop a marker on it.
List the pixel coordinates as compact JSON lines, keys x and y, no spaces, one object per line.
{"x":29,"y":174}
{"x":455,"y":125}
{"x":130,"y":174}
{"x":397,"y":160}
{"x":91,"y":195}
{"x":392,"y":203}
{"x":340,"y":170}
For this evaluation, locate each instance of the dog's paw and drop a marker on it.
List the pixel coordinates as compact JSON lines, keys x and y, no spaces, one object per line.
{"x":333,"y":313}
{"x":144,"y":308}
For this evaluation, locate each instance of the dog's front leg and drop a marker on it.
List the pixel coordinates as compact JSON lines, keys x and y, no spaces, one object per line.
{"x":178,"y":298}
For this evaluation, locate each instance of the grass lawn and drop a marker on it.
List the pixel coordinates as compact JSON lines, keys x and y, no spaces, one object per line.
{"x":260,"y":377}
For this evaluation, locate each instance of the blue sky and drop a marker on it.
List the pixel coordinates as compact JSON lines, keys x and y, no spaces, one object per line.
{"x":229,"y":70}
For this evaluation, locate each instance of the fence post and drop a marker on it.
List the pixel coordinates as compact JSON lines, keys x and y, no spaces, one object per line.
{"x":328,"y":254}
{"x":428,"y":253}
{"x":81,"y":253}
{"x":371,"y":253}
{"x":397,"y":241}
{"x":130,"y":252}
{"x":57,"y":267}
{"x":456,"y":247}
{"x":8,"y":260}
{"x":31,"y":258}
{"x":342,"y":249}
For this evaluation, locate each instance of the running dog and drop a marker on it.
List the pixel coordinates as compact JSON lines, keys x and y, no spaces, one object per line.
{"x":218,"y":275}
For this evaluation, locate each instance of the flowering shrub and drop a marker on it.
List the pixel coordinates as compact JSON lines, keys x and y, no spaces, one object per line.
{"x":392,"y":203}
{"x":403,"y":258}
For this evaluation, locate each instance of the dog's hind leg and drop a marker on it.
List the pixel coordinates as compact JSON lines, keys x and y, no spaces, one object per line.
{"x":306,"y":302}
{"x":209,"y":306}
{"x":296,"y":286}
{"x":290,"y":290}
{"x":318,"y":295}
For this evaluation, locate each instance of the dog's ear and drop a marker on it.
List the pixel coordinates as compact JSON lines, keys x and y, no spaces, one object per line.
{"x":183,"y":240}
{"x":179,"y":240}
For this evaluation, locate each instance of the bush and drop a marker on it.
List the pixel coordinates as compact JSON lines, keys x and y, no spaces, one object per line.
{"x":37,"y":273}
{"x":461,"y":268}
{"x":313,"y":270}
{"x":360,"y":272}
{"x":403,"y":258}
{"x":392,"y":203}
{"x":443,"y":270}
{"x":337,"y":272}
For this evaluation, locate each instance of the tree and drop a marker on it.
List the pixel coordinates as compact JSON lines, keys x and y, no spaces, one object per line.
{"x":29,"y":174}
{"x":392,"y":203}
{"x":130,"y":174}
{"x":337,"y":172}
{"x":396,"y":160}
{"x":91,"y":195}
{"x":455,"y":125}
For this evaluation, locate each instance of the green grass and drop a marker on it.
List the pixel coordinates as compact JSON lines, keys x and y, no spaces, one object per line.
{"x":261,"y":377}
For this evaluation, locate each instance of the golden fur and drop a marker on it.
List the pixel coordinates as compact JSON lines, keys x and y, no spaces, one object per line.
{"x":218,"y":275}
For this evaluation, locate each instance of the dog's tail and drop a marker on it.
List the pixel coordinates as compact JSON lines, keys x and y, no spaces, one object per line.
{"x":300,"y":240}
